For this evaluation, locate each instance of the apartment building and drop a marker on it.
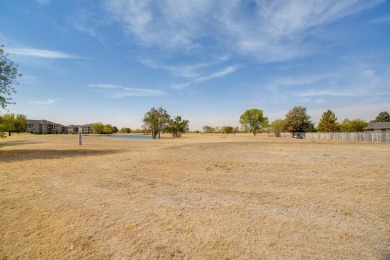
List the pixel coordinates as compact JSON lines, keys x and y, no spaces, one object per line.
{"x":47,"y":127}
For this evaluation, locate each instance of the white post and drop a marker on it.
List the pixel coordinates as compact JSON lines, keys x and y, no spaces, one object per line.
{"x":80,"y":135}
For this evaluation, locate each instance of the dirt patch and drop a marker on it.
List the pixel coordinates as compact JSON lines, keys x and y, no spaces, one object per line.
{"x":201,"y":196}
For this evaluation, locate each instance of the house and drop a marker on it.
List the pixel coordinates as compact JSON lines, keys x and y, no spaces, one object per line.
{"x":378,"y":127}
{"x":44,"y":127}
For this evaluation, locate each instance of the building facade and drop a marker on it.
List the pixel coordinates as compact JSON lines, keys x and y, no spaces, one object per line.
{"x":47,"y":127}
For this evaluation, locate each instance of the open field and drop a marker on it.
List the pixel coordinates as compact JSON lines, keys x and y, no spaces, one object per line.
{"x":197,"y":197}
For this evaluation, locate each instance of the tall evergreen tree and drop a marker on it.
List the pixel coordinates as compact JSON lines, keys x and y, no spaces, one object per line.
{"x":328,"y":122}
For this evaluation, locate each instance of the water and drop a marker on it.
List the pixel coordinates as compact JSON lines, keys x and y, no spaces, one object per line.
{"x":139,"y":137}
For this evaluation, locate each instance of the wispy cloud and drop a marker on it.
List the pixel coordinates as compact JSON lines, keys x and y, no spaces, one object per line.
{"x":117,"y":91}
{"x":39,"y":53}
{"x":43,"y":2}
{"x":266,"y":30}
{"x":184,"y":70}
{"x":383,"y":19}
{"x":218,"y":74}
{"x":42,"y":102}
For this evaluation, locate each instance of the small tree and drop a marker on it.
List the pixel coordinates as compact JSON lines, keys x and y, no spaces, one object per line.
{"x":277,"y":127}
{"x":156,"y":120}
{"x":382,"y":117}
{"x":115,"y":130}
{"x":356,"y":125}
{"x":125,"y":130}
{"x":8,"y":76}
{"x":97,"y":128}
{"x":208,"y":129}
{"x":253,"y":120}
{"x":227,"y":129}
{"x":177,"y":126}
{"x":328,"y":122}
{"x":297,"y":120}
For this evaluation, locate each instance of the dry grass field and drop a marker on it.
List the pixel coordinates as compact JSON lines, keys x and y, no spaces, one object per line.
{"x":197,"y":197}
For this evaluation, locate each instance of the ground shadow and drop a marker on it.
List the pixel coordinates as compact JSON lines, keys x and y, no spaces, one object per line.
{"x":25,"y":154}
{"x":21,"y":142}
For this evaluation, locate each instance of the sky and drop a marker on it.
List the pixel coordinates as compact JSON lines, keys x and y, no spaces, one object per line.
{"x":111,"y":61}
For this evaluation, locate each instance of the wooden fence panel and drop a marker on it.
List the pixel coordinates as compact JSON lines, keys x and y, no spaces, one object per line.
{"x":374,"y":137}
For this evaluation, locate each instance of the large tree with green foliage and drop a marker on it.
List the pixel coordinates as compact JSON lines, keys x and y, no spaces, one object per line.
{"x":177,"y":126}
{"x":227,"y":129}
{"x":328,"y":122}
{"x":156,"y":120}
{"x":208,"y":129}
{"x":297,"y":120}
{"x":253,"y":120}
{"x":277,"y":127}
{"x":8,"y":76}
{"x":382,"y":117}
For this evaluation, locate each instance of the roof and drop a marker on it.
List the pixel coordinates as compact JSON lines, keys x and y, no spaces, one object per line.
{"x":378,"y":126}
{"x":39,"y":122}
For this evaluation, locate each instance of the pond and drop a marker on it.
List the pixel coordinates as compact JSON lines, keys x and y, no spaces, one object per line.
{"x":139,"y":137}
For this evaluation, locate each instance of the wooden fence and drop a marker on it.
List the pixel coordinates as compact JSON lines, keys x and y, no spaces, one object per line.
{"x":374,"y":137}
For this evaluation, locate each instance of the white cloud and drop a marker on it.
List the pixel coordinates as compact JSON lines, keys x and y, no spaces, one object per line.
{"x":117,"y":91}
{"x":43,"y":2}
{"x":43,"y":102}
{"x":219,"y":74}
{"x":267,"y":30}
{"x":383,"y":19}
{"x":39,"y":53}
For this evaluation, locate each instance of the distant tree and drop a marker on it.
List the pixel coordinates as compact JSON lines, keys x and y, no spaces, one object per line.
{"x":156,"y":120}
{"x":8,"y":76}
{"x":356,"y":125}
{"x":277,"y":127}
{"x":208,"y":129}
{"x":312,"y":128}
{"x":125,"y":130}
{"x":297,"y":120}
{"x":115,"y":129}
{"x":97,"y":128}
{"x":253,"y":120}
{"x":20,"y":123}
{"x":8,"y":123}
{"x":382,"y":117}
{"x":227,"y":129}
{"x":328,"y":122}
{"x":108,"y":129}
{"x":177,"y":126}
{"x":217,"y":129}
{"x":236,"y":129}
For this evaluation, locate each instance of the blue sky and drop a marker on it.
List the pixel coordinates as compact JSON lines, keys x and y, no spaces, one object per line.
{"x":110,"y":61}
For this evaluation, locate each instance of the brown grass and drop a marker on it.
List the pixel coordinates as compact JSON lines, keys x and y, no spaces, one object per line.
{"x":197,"y":197}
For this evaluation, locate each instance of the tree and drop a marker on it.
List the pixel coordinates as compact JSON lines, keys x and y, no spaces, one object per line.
{"x":297,"y":120}
{"x":97,"y":128}
{"x":108,"y":129}
{"x":382,"y":117}
{"x":253,"y":120}
{"x":177,"y":126}
{"x":208,"y":129}
{"x":156,"y":120}
{"x":9,"y":123}
{"x":125,"y":130}
{"x":356,"y":125}
{"x":277,"y":127}
{"x":328,"y":122}
{"x":20,"y":123}
{"x":115,"y":130}
{"x":227,"y":129}
{"x":8,"y":76}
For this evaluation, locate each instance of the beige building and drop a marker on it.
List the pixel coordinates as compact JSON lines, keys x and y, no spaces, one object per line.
{"x":47,"y":127}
